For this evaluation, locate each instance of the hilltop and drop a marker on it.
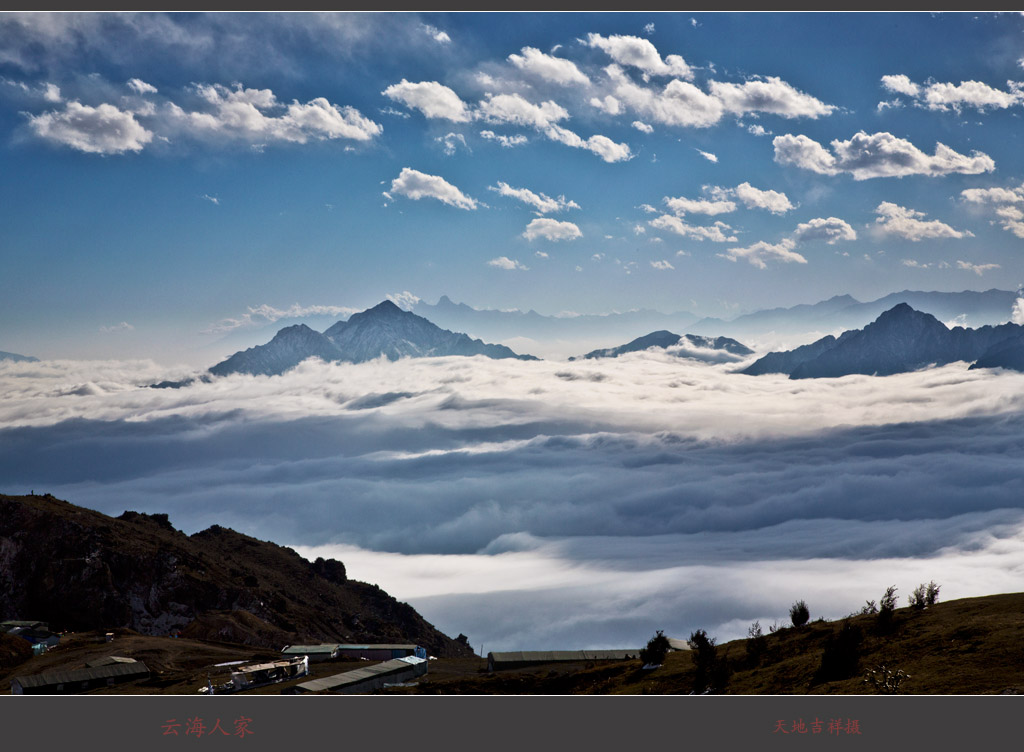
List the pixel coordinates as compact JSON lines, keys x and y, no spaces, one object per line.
{"x":81,"y":570}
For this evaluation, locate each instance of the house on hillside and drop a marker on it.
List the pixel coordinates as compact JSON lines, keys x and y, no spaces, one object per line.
{"x":525,"y":658}
{"x":261,"y":674}
{"x":78,"y":680}
{"x":316,"y":653}
{"x":43,"y":637}
{"x":368,"y":678}
{"x":381,"y":651}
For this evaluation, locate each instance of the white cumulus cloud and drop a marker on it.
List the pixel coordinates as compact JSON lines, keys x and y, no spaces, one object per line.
{"x":761,"y":252}
{"x":504,"y":262}
{"x":944,"y":96}
{"x":551,"y":229}
{"x":775,"y":202}
{"x":681,"y":206}
{"x":506,"y":141}
{"x":911,"y":225}
{"x":768,"y":94}
{"x":433,"y":99}
{"x":141,"y":87}
{"x":978,"y":269}
{"x":866,"y":156}
{"x":719,"y":232}
{"x":555,"y":69}
{"x":830,"y":230}
{"x":539,"y":201}
{"x":416,"y":185}
{"x":640,"y":53}
{"x":103,"y":129}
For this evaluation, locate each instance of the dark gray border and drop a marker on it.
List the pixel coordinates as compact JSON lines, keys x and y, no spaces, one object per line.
{"x":515,"y":723}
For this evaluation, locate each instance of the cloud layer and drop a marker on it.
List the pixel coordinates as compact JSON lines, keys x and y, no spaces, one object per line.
{"x":559,"y":484}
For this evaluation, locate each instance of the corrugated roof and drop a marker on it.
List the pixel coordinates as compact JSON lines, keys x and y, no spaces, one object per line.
{"x":49,"y":678}
{"x":302,"y":649}
{"x":545,"y":656}
{"x":266,"y":666}
{"x":329,"y":683}
{"x":382,"y":646}
{"x":109,"y":661}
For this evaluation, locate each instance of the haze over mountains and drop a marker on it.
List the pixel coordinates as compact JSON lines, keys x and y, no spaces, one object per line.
{"x":17,"y":358}
{"x":900,"y":340}
{"x":565,"y":335}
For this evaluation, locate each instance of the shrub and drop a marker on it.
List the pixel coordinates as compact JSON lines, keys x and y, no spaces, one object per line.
{"x":799,"y":614}
{"x":887,"y":609}
{"x":712,"y":673}
{"x":841,"y":658}
{"x":886,"y":681}
{"x":870,"y":607}
{"x":656,"y":650}
{"x":924,"y":596}
{"x":756,"y":643}
{"x":888,"y":602}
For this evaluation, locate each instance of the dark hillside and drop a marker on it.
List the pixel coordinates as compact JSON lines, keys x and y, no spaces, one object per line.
{"x":81,"y":570}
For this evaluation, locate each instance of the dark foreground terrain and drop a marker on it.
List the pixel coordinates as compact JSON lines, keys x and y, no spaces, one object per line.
{"x":968,"y":646}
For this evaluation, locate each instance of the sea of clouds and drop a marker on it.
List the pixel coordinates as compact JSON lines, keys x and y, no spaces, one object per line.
{"x":557,"y":505}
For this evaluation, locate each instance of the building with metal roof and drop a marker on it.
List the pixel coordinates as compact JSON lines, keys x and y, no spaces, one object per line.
{"x":380,"y":651}
{"x":524,"y":658}
{"x":368,"y":678}
{"x":109,"y":660}
{"x":316,"y":653}
{"x":78,"y":680}
{"x":7,"y":626}
{"x":260,"y":674}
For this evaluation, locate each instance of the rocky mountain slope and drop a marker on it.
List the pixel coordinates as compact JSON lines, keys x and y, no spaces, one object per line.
{"x":900,"y":340}
{"x":686,"y":346}
{"x":78,"y":569}
{"x":384,"y":330}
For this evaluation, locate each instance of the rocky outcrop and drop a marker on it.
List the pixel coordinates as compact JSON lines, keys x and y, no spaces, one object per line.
{"x":80,"y":570}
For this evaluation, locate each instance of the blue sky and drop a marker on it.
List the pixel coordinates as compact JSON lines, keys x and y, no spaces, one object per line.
{"x":163,"y":174}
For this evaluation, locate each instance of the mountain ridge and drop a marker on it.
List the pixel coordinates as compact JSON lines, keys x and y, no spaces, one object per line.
{"x":385,"y":330}
{"x":78,"y":569}
{"x":901,"y":339}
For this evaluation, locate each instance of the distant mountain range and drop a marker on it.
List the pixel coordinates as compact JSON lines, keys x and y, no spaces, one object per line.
{"x":718,"y":350}
{"x":901,"y":339}
{"x":967,"y":308}
{"x":384,"y":330}
{"x":15,"y":357}
{"x":561,"y":335}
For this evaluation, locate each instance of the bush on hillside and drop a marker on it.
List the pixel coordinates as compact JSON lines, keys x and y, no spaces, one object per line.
{"x":756,"y":643}
{"x":841,"y":658}
{"x":799,"y":614}
{"x":656,"y":650}
{"x":712,"y":672}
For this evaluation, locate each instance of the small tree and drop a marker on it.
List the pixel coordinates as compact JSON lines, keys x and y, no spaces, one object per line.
{"x":656,"y":650}
{"x":712,"y":674}
{"x":756,"y":644}
{"x":887,"y":608}
{"x":799,"y":614}
{"x":870,"y":607}
{"x":842,"y":654}
{"x":924,"y":596}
